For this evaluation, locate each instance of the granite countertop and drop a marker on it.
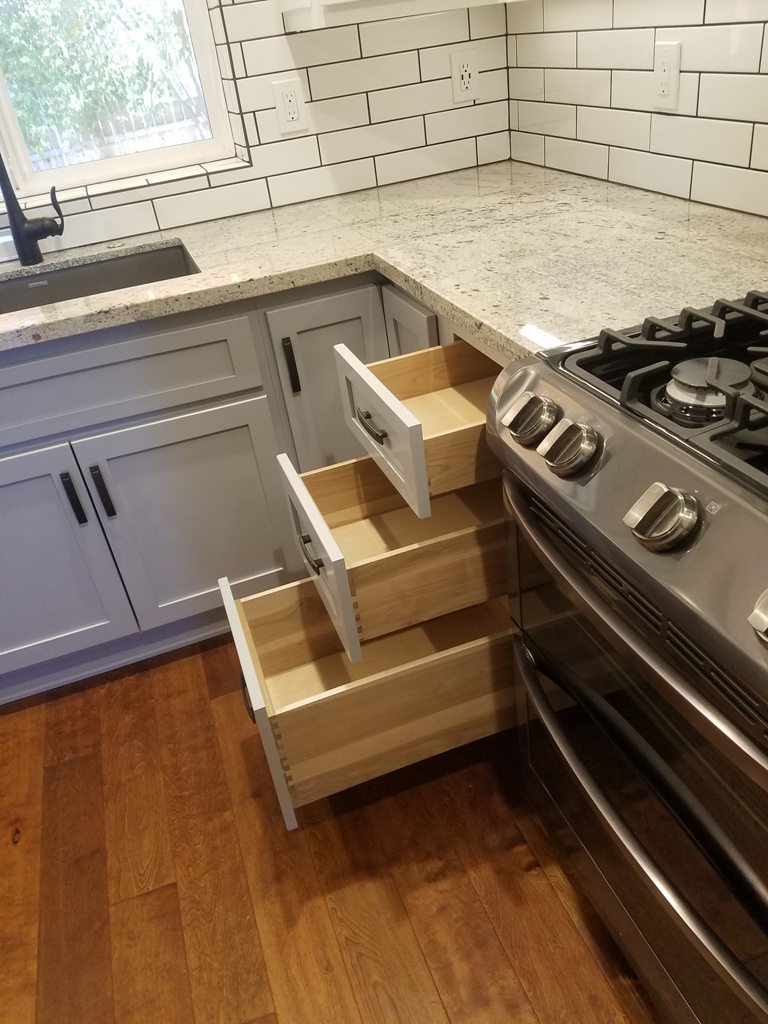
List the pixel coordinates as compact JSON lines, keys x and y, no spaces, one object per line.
{"x":509,"y":252}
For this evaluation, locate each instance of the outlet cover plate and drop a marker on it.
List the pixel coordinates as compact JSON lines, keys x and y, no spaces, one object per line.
{"x":289,"y":105}
{"x":465,"y":79}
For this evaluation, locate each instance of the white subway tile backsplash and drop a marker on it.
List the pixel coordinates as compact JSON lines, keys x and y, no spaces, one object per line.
{"x":217,"y":27}
{"x":736,"y":10}
{"x":627,"y":128}
{"x":492,"y":85}
{"x":577,"y":157}
{"x":253,"y":20}
{"x":211,"y":204}
{"x":411,"y":33}
{"x":371,"y":140}
{"x":237,"y":128}
{"x":527,"y":148}
{"x":487,"y":21}
{"x":636,"y":90}
{"x":544,"y":50}
{"x":102,"y":225}
{"x":639,"y":13}
{"x":322,"y":181}
{"x":322,"y":116}
{"x":491,"y":54}
{"x":736,"y":97}
{"x":563,"y":15}
{"x":238,"y":64}
{"x":547,"y":119}
{"x":648,"y":170}
{"x":225,"y":62}
{"x":513,"y":118}
{"x":727,"y":142}
{"x":282,"y":157}
{"x":760,"y":147}
{"x":301,"y":50}
{"x":423,"y":98}
{"x":525,"y":16}
{"x":526,"y":83}
{"x":717,"y":47}
{"x":481,"y":119}
{"x":420,"y":163}
{"x":734,"y":187}
{"x":256,"y":92}
{"x":362,"y":75}
{"x":620,"y":48}
{"x":117,"y":196}
{"x":764,"y":61}
{"x":584,"y":87}
{"x":492,"y":148}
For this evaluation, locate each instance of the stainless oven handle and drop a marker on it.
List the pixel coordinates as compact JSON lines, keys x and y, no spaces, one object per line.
{"x":706,"y":941}
{"x":681,"y":695}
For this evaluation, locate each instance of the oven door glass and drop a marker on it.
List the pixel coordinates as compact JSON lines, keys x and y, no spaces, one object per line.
{"x":667,"y":822}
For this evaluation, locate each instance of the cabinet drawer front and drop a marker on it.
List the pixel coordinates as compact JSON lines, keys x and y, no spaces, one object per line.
{"x":126,"y":378}
{"x":416,"y":693}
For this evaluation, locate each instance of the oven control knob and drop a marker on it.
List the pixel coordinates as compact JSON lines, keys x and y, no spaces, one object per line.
{"x":663,"y":517}
{"x":759,"y":617}
{"x":530,"y":417}
{"x":568,"y":447}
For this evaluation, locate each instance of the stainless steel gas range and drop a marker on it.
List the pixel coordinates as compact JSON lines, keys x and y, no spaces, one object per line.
{"x":636,"y":478}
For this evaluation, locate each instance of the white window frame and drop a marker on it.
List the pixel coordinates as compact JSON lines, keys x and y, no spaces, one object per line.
{"x":220,"y":146}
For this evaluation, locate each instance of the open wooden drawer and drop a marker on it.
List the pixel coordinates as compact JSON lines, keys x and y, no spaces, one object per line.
{"x":376,"y":566}
{"x":327,"y":724}
{"x":422,"y":417}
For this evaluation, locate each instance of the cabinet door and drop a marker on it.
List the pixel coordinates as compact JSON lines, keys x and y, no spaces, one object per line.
{"x":187,"y":500}
{"x":60,"y":590}
{"x":410,"y":326}
{"x":303,"y":335}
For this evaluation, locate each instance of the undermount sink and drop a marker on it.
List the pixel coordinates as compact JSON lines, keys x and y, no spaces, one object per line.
{"x":57,"y":284}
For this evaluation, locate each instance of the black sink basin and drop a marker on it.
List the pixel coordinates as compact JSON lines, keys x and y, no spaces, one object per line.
{"x":58,"y":284}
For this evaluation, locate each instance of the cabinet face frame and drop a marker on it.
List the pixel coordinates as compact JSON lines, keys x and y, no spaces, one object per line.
{"x":419,"y":321}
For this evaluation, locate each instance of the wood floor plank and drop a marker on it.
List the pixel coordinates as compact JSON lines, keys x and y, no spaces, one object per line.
{"x":139,"y":856}
{"x":151,"y":979}
{"x":74,"y":970}
{"x":474,"y":976}
{"x":561,"y":978}
{"x":22,"y":737}
{"x":72,"y":727}
{"x":392,"y":982}
{"x":221,"y":667}
{"x":228,"y":977}
{"x":306,"y":972}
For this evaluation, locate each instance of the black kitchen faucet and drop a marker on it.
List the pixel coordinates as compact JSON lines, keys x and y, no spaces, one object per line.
{"x":27,"y":232}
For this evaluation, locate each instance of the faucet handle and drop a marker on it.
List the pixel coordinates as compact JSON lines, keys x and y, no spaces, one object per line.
{"x":58,"y":228}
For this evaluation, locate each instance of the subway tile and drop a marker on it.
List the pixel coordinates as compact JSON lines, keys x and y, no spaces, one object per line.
{"x":411,"y":33}
{"x":492,"y":148}
{"x":256,"y":92}
{"x":481,"y":119}
{"x":732,"y":187}
{"x":238,"y":64}
{"x":565,"y":15}
{"x":584,"y":87}
{"x":212,"y":203}
{"x":491,"y":54}
{"x":420,"y":163}
{"x":547,"y":119}
{"x":636,"y":90}
{"x":736,"y":10}
{"x":493,"y":85}
{"x":511,"y":51}
{"x":408,"y":100}
{"x":251,"y":131}
{"x":217,"y":27}
{"x":700,"y":138}
{"x":244,"y":172}
{"x":764,"y":61}
{"x":487,"y":21}
{"x":733,"y":48}
{"x":230,"y":96}
{"x":638,"y":13}
{"x":649,"y":171}
{"x":525,"y":16}
{"x":547,"y":50}
{"x":619,"y":48}
{"x":513,"y":117}
{"x":322,"y":116}
{"x":577,"y":157}
{"x":362,"y":75}
{"x":526,"y":83}
{"x":627,"y":128}
{"x":283,"y":157}
{"x":387,"y":137}
{"x":253,"y":20}
{"x":225,"y":62}
{"x":103,"y":225}
{"x":322,"y":181}
{"x":237,"y":128}
{"x":527,"y":148}
{"x":760,"y":147}
{"x":735,"y":97}
{"x":301,"y":50}
{"x":122,"y":196}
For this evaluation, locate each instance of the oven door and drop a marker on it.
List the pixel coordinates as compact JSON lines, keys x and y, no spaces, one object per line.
{"x":645,"y":786}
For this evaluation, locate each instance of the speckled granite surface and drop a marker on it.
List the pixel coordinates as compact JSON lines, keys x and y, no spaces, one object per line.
{"x":493,"y":248}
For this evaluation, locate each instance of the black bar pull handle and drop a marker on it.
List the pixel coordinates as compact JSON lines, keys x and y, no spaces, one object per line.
{"x":290,"y":362}
{"x":74,"y":498}
{"x":315,"y":564}
{"x":364,"y":419}
{"x":103,"y":493}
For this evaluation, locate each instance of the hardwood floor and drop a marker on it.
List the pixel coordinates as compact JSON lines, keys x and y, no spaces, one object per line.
{"x":146,"y":876}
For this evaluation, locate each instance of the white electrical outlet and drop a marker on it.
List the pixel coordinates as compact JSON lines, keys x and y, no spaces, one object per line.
{"x":464,"y":76}
{"x":666,"y":76}
{"x":289,"y":105}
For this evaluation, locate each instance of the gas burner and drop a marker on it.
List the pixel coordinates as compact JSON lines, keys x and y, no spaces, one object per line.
{"x":700,"y":389}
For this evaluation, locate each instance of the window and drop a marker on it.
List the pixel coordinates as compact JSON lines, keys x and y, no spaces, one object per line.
{"x":98,"y":89}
